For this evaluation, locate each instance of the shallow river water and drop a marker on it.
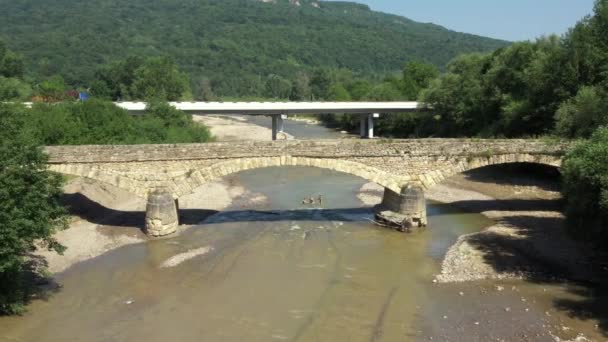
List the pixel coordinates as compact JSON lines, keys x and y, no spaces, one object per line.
{"x":291,"y":272}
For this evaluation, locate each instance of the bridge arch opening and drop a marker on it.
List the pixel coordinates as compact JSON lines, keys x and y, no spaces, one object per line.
{"x":197,"y":177}
{"x":511,"y":187}
{"x":518,"y":174}
{"x":450,"y":168}
{"x":290,"y":192}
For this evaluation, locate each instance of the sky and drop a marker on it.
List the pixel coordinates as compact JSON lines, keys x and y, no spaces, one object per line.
{"x":512,"y":20}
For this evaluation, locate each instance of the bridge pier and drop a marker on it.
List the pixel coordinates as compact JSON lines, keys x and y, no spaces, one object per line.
{"x":367,"y":125}
{"x":403,"y":210}
{"x":278,"y":125}
{"x":161,"y":214}
{"x":275,"y":124}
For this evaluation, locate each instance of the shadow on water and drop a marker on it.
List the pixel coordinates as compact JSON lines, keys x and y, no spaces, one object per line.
{"x":32,"y":283}
{"x":94,"y":212}
{"x":478,"y":206}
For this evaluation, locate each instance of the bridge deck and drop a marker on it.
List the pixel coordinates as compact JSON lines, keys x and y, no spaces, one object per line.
{"x":286,"y":108}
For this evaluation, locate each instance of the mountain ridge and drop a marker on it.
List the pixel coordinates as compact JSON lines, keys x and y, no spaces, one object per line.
{"x":224,"y":40}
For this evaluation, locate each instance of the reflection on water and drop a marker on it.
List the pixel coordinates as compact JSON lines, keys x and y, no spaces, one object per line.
{"x":288,"y":273}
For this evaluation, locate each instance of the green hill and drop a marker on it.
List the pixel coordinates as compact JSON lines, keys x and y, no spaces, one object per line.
{"x":229,"y":42}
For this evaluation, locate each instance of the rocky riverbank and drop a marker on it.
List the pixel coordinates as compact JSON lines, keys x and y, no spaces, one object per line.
{"x":529,"y":239}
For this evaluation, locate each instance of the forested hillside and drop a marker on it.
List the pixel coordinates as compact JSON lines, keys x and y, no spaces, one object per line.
{"x":229,"y":45}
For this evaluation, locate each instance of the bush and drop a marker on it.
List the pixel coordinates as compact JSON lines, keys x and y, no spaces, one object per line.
{"x":585,"y":182}
{"x":101,"y":122}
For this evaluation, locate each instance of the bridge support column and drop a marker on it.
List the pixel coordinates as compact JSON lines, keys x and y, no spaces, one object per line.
{"x":404,"y":210}
{"x":367,"y":125}
{"x":281,"y":125}
{"x":275,"y":125}
{"x":161,"y":214}
{"x":363,"y":126}
{"x":370,"y":126}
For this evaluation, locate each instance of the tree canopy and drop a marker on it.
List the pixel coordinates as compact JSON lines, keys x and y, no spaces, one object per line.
{"x":231,"y":43}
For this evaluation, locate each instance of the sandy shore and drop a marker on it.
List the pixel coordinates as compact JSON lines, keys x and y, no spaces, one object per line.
{"x":234,"y":128}
{"x":105,"y":217}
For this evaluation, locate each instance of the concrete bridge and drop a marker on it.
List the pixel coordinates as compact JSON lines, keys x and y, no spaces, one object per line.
{"x":278,"y":111}
{"x":405,"y":168}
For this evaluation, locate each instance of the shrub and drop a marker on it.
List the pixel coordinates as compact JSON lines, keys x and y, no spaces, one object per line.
{"x":585,"y":187}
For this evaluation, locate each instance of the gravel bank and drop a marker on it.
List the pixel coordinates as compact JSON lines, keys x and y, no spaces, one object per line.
{"x":528,"y":239}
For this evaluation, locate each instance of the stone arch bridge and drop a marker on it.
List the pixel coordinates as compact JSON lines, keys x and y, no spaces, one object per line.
{"x":405,"y":168}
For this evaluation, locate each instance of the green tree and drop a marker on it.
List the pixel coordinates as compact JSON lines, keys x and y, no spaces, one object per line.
{"x":30,"y":210}
{"x":337,"y":92}
{"x":159,"y":78}
{"x":11,"y":64}
{"x":300,"y":89}
{"x":13,"y":89}
{"x":319,"y":84}
{"x":585,"y":187}
{"x":581,"y":115}
{"x":386,"y":91}
{"x":460,"y":99}
{"x":166,"y":124}
{"x":278,"y":87}
{"x":359,"y":89}
{"x":417,"y":76}
{"x":52,"y":89}
{"x":114,"y":81}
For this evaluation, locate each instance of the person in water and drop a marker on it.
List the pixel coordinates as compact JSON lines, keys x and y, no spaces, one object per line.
{"x":320,"y":199}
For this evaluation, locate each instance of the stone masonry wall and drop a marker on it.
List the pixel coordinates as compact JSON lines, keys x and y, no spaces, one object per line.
{"x":390,"y":163}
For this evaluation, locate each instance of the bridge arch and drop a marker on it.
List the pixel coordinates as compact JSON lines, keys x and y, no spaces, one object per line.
{"x":452,"y":167}
{"x":197,"y":177}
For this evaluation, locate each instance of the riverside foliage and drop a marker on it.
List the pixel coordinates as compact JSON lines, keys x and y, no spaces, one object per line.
{"x":585,"y":179}
{"x":30,"y":209}
{"x":101,"y":122}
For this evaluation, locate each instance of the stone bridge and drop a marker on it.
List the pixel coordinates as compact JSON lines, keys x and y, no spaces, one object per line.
{"x":405,"y":168}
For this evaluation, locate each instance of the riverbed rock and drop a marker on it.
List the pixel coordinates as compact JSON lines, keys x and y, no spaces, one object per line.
{"x":401,"y":222}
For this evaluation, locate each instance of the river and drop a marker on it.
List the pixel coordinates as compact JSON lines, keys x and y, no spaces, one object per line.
{"x":282,"y":270}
